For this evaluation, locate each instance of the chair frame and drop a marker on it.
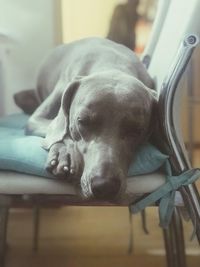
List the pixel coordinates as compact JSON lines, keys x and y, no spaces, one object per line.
{"x":173,"y":236}
{"x":179,"y":159}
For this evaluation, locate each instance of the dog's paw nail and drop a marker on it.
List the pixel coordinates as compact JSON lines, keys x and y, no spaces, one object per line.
{"x":53,"y":162}
{"x":72,"y":171}
{"x":66,"y":169}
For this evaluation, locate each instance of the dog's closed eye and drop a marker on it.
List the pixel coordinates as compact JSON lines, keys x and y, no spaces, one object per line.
{"x":84,"y":121}
{"x":88,"y":125}
{"x":89,"y":120}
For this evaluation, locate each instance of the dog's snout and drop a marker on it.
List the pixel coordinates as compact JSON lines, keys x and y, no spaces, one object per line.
{"x":105,"y":188}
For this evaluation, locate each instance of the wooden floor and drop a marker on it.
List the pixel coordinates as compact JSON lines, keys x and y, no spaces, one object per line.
{"x":90,"y":237}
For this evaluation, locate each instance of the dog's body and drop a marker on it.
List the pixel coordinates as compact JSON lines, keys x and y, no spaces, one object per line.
{"x":96,"y":105}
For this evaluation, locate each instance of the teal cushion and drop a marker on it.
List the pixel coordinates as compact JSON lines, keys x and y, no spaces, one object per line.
{"x":24,"y":154}
{"x":14,"y":120}
{"x":148,"y":159}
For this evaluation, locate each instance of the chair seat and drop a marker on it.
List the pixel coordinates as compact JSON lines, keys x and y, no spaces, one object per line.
{"x":22,"y":162}
{"x":13,"y":183}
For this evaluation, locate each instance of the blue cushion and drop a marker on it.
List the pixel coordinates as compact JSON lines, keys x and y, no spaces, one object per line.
{"x":24,"y":154}
{"x":148,"y":159}
{"x":14,"y":120}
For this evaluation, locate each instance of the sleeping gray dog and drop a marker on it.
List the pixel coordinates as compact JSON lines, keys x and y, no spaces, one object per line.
{"x":96,"y":110}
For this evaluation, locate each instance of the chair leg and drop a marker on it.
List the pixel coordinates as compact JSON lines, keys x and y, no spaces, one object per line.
{"x":4,"y":212}
{"x":36,"y":227}
{"x":179,"y":239}
{"x":174,"y":242}
{"x":194,"y":198}
{"x":168,"y":247}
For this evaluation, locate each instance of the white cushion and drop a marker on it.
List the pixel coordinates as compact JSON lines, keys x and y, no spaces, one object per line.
{"x":12,"y":183}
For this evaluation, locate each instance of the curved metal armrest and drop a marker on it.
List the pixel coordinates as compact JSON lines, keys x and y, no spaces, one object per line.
{"x":168,"y":100}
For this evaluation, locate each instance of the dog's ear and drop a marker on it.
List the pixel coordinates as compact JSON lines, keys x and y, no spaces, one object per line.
{"x":27,"y":100}
{"x":59,"y":127}
{"x":154,"y":95}
{"x":153,"y":125}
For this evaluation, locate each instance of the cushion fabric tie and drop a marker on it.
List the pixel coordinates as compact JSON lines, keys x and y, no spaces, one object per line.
{"x":165,"y":194}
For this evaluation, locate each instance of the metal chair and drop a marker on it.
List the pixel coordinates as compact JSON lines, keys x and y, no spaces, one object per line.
{"x":182,"y":19}
{"x":167,"y":63}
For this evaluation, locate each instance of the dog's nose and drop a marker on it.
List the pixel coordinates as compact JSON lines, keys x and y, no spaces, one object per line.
{"x":105,"y":188}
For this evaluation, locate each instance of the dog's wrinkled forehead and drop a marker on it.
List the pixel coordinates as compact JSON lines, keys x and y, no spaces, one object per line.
{"x":113,"y":96}
{"x":111,"y":103}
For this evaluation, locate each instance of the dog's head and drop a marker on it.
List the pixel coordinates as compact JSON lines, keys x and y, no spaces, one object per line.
{"x":108,"y":117}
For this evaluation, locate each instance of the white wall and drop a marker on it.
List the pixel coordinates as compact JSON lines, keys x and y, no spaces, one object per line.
{"x":84,"y":18}
{"x":31,"y":27}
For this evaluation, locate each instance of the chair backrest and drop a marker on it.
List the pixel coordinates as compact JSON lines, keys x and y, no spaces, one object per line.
{"x":161,"y":13}
{"x":182,"y":19}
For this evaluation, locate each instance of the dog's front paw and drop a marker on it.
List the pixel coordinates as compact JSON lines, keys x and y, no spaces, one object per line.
{"x":64,"y":160}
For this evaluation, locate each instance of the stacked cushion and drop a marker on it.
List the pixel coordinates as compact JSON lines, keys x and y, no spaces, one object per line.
{"x":24,"y":154}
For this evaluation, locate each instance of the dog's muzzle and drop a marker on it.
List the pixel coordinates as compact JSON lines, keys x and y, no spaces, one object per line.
{"x":105,"y":188}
